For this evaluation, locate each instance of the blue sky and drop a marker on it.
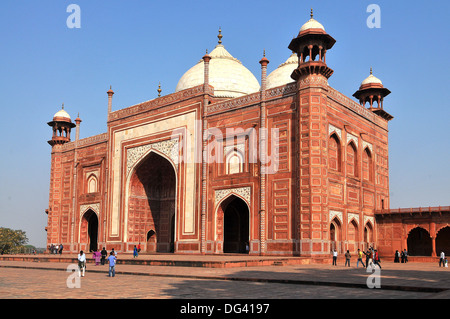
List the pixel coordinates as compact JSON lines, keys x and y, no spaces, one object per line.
{"x":134,"y":45}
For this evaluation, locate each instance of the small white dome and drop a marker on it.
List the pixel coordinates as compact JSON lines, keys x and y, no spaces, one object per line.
{"x":312,"y":24}
{"x":371,"y":80}
{"x":226,"y":74}
{"x":62,"y":114}
{"x":282,"y":74}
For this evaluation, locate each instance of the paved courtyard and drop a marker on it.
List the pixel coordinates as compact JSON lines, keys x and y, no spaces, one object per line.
{"x":49,"y":280}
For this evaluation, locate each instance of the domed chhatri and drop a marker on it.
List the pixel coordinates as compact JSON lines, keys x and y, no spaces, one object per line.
{"x":373,"y":92}
{"x":282,"y":75}
{"x":61,"y":125}
{"x":226,"y":74}
{"x":311,"y":46}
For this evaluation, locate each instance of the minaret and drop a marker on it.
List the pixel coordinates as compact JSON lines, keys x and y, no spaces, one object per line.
{"x":372,"y":91}
{"x":263,"y":161}
{"x":61,"y":125}
{"x":311,"y":75}
{"x":110,"y":96}
{"x":206,"y":58}
{"x":78,"y":122}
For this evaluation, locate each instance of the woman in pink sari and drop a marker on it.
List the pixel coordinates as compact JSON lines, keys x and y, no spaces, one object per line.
{"x":97,"y":256}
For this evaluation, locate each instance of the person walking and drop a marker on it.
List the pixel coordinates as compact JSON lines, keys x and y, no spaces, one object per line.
{"x":81,"y":264}
{"x":370,"y":256}
{"x":104,"y":253}
{"x":376,"y":259}
{"x":135,"y":252}
{"x":96,"y":256}
{"x":112,"y":265}
{"x":360,"y":255}
{"x":347,"y":258}
{"x":367,"y":253}
{"x":61,"y":247}
{"x":335,"y":257}
{"x":442,"y":259}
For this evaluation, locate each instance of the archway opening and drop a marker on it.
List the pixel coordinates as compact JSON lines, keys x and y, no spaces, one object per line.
{"x":335,"y":234}
{"x":89,"y":230}
{"x":236,"y":226}
{"x":443,"y":241}
{"x":368,"y":236}
{"x":419,"y":242}
{"x":152,"y":203}
{"x":352,"y":236}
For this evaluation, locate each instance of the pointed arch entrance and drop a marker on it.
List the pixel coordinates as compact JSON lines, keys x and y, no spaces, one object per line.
{"x":443,"y":241}
{"x":233,"y":225}
{"x":419,"y":242}
{"x":335,"y":234}
{"x":89,"y":230}
{"x":152,"y":204}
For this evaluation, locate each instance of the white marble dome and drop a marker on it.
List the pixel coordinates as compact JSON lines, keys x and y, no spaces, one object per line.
{"x":371,"y":80}
{"x":312,"y":24}
{"x":226,"y":74}
{"x":282,"y":74}
{"x":62,"y":114}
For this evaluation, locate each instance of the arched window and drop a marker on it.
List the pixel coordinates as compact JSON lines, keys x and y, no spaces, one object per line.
{"x":334,"y":153}
{"x":234,"y":163}
{"x":92,"y":184}
{"x":367,"y":165}
{"x":352,"y":160}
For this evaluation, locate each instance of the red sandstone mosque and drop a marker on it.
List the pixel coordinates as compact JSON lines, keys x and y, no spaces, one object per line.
{"x":228,"y":164}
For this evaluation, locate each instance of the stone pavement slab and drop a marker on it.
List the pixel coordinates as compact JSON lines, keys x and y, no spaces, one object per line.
{"x":411,"y":280}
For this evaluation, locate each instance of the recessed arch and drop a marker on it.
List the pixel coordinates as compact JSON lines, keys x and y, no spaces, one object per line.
{"x":151,"y":197}
{"x":367,"y":165}
{"x":234,"y":162}
{"x":92,"y":184}
{"x":443,"y":240}
{"x":352,"y":159}
{"x":233,"y":224}
{"x":334,"y":152}
{"x":419,"y":242}
{"x":89,"y":229}
{"x":336,"y":234}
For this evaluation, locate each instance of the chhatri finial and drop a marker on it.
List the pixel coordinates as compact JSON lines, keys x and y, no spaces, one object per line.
{"x":159,"y":89}
{"x":312,"y":14}
{"x":220,"y":36}
{"x":264,"y":53}
{"x":63,"y":106}
{"x":370,"y":70}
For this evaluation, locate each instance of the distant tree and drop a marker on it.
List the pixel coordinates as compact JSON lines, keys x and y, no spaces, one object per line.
{"x":12,"y":241}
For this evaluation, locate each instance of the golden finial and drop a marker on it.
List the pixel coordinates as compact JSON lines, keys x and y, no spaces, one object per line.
{"x":312,"y":13}
{"x":370,"y":70}
{"x":63,"y":106}
{"x":220,"y":36}
{"x":264,"y":53}
{"x":159,"y":89}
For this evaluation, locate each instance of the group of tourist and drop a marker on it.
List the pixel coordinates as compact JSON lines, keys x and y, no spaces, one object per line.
{"x":55,"y":249}
{"x":403,"y":256}
{"x":372,"y":258}
{"x":99,"y":258}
